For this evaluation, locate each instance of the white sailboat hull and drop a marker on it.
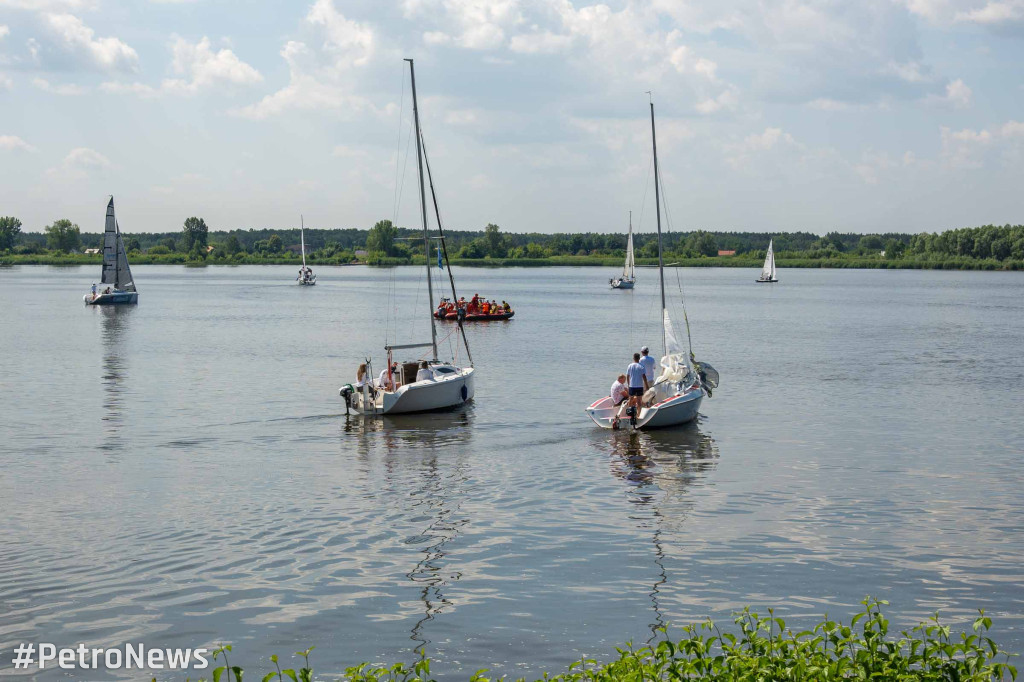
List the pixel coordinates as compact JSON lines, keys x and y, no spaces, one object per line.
{"x":113,"y":298}
{"x":677,"y":409}
{"x":441,"y":393}
{"x":623,"y":283}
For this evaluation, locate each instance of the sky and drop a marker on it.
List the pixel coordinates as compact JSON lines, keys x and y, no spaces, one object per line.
{"x":773,"y":115}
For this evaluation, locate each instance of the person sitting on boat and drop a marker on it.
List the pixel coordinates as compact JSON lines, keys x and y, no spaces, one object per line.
{"x":649,"y":365}
{"x":94,"y":291}
{"x":506,"y":307}
{"x":361,"y":375}
{"x":619,"y":393}
{"x":485,"y":307}
{"x":107,"y":290}
{"x":637,"y":376}
{"x":424,"y":373}
{"x":387,"y":379}
{"x":309,"y":274}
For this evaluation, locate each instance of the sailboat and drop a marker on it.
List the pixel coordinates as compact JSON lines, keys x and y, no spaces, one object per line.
{"x":628,"y":279}
{"x":676,"y":395}
{"x":306,"y":275}
{"x":408,"y":385}
{"x":116,"y":283}
{"x":768,"y":269}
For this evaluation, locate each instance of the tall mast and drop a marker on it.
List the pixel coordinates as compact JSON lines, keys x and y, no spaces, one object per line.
{"x":657,"y":207}
{"x":302,"y":239}
{"x":423,"y":208}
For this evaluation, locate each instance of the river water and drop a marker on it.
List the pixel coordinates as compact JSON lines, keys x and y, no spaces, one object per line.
{"x":182,"y":472}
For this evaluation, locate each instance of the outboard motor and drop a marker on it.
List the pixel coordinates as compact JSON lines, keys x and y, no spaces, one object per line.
{"x":708,"y":377}
{"x":346,"y":392}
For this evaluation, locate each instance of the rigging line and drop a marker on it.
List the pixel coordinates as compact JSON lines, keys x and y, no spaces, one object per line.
{"x":398,"y":149}
{"x":444,"y":245}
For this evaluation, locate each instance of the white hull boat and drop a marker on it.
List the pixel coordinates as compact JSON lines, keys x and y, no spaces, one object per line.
{"x":676,"y":395}
{"x":628,"y":278}
{"x":451,"y":387}
{"x":306,"y":277}
{"x":768,"y":269}
{"x":400,"y":391}
{"x":116,"y":284}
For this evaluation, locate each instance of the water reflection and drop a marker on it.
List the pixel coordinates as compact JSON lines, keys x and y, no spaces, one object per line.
{"x":424,"y":465}
{"x":115,"y":326}
{"x":661,"y":468}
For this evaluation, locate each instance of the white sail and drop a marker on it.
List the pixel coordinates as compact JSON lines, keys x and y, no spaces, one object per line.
{"x":768,"y":270}
{"x":302,"y":239}
{"x":627,"y":268}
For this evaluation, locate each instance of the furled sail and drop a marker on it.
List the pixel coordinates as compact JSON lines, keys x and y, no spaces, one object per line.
{"x":676,"y":362}
{"x":768,"y":270}
{"x":627,"y":269}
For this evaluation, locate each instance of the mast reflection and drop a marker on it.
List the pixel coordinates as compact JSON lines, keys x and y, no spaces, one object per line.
{"x":115,"y":325}
{"x":661,"y":468}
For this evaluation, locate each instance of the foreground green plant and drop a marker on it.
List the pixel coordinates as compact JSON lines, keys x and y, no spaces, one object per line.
{"x":763,"y":650}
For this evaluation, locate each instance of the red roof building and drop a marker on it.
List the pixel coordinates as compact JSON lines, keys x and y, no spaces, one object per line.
{"x":726,"y":253}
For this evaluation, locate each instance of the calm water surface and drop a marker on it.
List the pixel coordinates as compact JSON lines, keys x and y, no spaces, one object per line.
{"x":182,"y":473}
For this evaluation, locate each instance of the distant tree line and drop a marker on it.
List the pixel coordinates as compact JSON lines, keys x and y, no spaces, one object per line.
{"x":386,"y":242}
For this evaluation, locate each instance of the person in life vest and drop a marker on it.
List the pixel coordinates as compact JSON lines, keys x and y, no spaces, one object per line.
{"x":506,"y":307}
{"x":494,"y":307}
{"x":474,"y":303}
{"x":485,"y":307}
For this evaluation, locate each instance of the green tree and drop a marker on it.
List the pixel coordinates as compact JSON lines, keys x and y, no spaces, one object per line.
{"x":132,"y":244}
{"x":381,"y":238}
{"x":535,"y":250}
{"x":699,"y":243}
{"x":158,"y":250}
{"x":64,"y":236}
{"x":495,"y":241}
{"x":894,"y":248}
{"x":169,"y":244}
{"x":195,"y":231}
{"x":274,"y":244}
{"x":197,"y":252}
{"x":10,"y":227}
{"x":871,"y":242}
{"x":232,"y":245}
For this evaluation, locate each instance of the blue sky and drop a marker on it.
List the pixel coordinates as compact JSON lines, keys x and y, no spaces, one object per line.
{"x":875,"y":115}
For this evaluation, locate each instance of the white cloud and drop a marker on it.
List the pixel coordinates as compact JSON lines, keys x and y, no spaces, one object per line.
{"x":78,"y":39}
{"x":1012,"y":129}
{"x":474,"y":24}
{"x":4,"y":31}
{"x":5,"y":82}
{"x":48,"y":5}
{"x":994,"y":13}
{"x":909,"y":71}
{"x":202,"y":68}
{"x":10,"y":143}
{"x":541,"y":42}
{"x":726,"y":100}
{"x":80,"y":163}
{"x":325,"y":76}
{"x":958,"y":94}
{"x":63,"y":89}
{"x":964,"y":148}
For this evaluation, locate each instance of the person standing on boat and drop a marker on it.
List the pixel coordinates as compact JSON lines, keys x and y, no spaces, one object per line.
{"x":619,"y":393}
{"x":637,"y":381}
{"x":648,"y":362}
{"x":94,"y":291}
{"x":386,"y":380}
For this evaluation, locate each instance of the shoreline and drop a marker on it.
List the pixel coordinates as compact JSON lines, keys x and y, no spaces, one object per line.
{"x":554,"y":261}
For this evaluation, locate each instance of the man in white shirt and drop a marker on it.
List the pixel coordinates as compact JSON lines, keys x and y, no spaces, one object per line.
{"x":637,"y":382}
{"x":649,"y":365}
{"x":619,"y":393}
{"x":424,"y":373}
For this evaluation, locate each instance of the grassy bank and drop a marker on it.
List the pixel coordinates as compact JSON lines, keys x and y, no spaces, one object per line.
{"x":961,"y":263}
{"x":761,"y":649}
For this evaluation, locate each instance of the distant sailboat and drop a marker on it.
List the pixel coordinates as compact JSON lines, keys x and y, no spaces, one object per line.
{"x":306,"y":275}
{"x":768,"y":269}
{"x":116,"y":283}
{"x":676,"y":395}
{"x":628,"y":278}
